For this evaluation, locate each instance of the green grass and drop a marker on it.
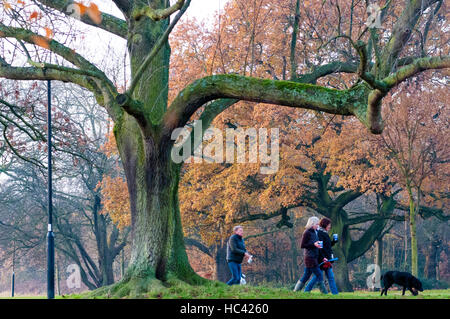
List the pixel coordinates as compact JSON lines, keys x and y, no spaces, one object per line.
{"x":217,"y":290}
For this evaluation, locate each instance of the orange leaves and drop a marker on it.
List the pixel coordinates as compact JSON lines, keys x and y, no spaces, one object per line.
{"x":110,"y":146}
{"x":48,"y":33}
{"x":8,"y":6}
{"x":41,"y":41}
{"x":92,"y":11}
{"x":34,"y":16}
{"x":115,"y":200}
{"x":114,"y":190}
{"x":81,"y":8}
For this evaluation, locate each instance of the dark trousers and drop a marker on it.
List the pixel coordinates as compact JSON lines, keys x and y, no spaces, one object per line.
{"x":236,"y":273}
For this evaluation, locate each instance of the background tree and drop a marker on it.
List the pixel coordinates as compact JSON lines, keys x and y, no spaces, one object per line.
{"x":86,"y":236}
{"x":416,"y":141}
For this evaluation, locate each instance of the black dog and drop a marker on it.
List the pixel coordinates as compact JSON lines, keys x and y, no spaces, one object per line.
{"x":404,"y":279}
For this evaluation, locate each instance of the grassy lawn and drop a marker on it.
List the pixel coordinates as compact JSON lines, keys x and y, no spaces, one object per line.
{"x":216,"y":290}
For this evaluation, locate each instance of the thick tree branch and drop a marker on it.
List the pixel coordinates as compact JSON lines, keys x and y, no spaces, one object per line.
{"x":148,"y":59}
{"x":426,"y":212}
{"x":213,"y":109}
{"x":195,"y":243}
{"x":327,"y":69}
{"x":367,"y":217}
{"x":347,"y":197}
{"x":107,"y":22}
{"x":32,"y":73}
{"x":265,"y":216}
{"x":87,"y":76}
{"x":417,"y":66}
{"x":360,"y":246}
{"x":374,"y":120}
{"x":260,"y":90}
{"x":401,"y":34}
{"x":157,"y":14}
{"x":50,"y":44}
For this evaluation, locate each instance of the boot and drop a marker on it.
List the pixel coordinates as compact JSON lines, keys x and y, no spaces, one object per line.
{"x":299,"y":286}
{"x":322,"y":287}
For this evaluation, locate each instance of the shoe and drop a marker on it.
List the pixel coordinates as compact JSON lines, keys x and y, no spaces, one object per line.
{"x":299,"y":286}
{"x":322,"y":287}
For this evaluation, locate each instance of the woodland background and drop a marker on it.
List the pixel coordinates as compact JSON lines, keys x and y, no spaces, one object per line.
{"x":325,"y":161}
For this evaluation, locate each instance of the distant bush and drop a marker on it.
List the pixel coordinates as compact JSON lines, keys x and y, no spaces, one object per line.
{"x":434,"y":284}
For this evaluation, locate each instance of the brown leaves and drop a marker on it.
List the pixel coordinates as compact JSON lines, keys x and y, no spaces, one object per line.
{"x":114,"y":190}
{"x":115,"y":200}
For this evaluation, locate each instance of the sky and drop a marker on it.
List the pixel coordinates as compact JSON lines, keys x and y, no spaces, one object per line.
{"x":201,"y":9}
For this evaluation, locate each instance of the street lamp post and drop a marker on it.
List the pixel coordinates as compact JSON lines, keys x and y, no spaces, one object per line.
{"x":50,"y":235}
{"x":13,"y":275}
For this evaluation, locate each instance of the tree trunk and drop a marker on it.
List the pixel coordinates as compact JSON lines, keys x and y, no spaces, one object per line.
{"x":340,"y":270}
{"x":222,"y":271}
{"x":379,"y":252}
{"x":340,"y":267}
{"x":157,"y":236}
{"x":431,"y":260}
{"x":294,"y":253}
{"x":152,"y":177}
{"x":412,"y":230}
{"x":105,"y":258}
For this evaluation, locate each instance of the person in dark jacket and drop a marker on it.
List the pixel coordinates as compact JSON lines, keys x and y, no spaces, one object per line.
{"x":310,"y":242}
{"x":325,"y":254}
{"x":235,"y":255}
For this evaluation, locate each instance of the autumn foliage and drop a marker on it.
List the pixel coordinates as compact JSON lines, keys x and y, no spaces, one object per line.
{"x":213,"y":197}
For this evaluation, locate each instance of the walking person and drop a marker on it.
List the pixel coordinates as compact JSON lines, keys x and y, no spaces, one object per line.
{"x":235,"y":255}
{"x":325,"y":254}
{"x":311,"y":244}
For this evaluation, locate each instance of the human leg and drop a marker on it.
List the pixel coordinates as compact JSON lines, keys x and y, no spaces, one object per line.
{"x":311,"y":283}
{"x":301,"y":282}
{"x":330,"y":275}
{"x":234,"y":269}
{"x":318,"y":273}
